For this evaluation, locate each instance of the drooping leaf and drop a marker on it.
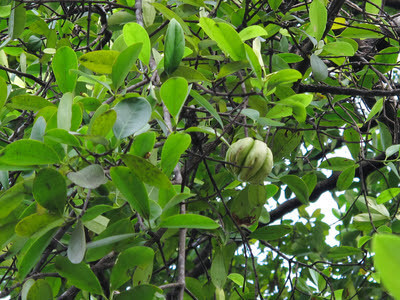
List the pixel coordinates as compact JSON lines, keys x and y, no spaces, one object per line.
{"x":346,"y":178}
{"x":206,"y":104}
{"x":132,"y":114}
{"x":28,"y":152}
{"x":320,"y":70}
{"x":318,"y":19}
{"x":50,"y":190}
{"x":11,"y":198}
{"x":174,"y":46}
{"x":218,"y":270}
{"x":147,"y":172}
{"x":173,"y":148}
{"x":132,"y":188}
{"x":16,"y":23}
{"x":173,"y":93}
{"x":77,"y":244}
{"x":79,"y":275}
{"x":3,"y":92}
{"x":90,"y":177}
{"x":64,"y":112}
{"x":189,"y":221}
{"x":134,"y":34}
{"x":63,"y":61}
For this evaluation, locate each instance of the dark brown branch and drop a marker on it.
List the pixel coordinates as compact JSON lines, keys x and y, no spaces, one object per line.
{"x":337,"y":90}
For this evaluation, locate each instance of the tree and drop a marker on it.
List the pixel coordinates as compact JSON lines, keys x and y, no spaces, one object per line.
{"x":115,"y":121}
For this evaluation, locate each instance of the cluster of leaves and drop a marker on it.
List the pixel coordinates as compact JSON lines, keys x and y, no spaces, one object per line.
{"x":115,"y":117}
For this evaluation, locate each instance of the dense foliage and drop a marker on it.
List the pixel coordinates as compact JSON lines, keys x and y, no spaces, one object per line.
{"x":115,"y":120}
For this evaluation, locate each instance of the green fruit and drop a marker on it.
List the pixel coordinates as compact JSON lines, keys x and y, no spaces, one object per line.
{"x":250,"y":160}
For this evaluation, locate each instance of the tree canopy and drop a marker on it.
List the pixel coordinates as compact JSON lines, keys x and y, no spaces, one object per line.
{"x":115,"y":120}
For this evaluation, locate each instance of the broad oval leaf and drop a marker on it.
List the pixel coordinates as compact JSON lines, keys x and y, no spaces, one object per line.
{"x":79,"y":275}
{"x":146,"y":171}
{"x":297,"y":186}
{"x":174,"y":46}
{"x":173,"y":148}
{"x":173,"y":93}
{"x":28,"y":152}
{"x":40,"y":290}
{"x":50,"y":190}
{"x":189,"y":221}
{"x":346,"y":178}
{"x":11,"y":198}
{"x":90,"y":177}
{"x":251,"y":32}
{"x":362,"y":31}
{"x":337,"y":163}
{"x":133,"y":113}
{"x":320,"y":70}
{"x":133,"y":34}
{"x":64,"y":111}
{"x":77,"y":244}
{"x":103,"y":123}
{"x":387,"y":261}
{"x":139,"y":292}
{"x":62,"y":136}
{"x":63,"y":61}
{"x":228,"y":40}
{"x":387,"y":195}
{"x":318,"y":19}
{"x":132,"y":188}
{"x":37,"y":224}
{"x":28,"y":102}
{"x":100,"y":61}
{"x":271,"y":232}
{"x":128,"y":259}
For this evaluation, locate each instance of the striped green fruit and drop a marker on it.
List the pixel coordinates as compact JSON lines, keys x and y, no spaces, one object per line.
{"x":249,"y":160}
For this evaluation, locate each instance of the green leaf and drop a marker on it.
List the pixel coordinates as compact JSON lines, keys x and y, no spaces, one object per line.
{"x":271,"y":232}
{"x":253,"y":60}
{"x":387,"y":261}
{"x":174,"y":46}
{"x":134,"y":34}
{"x":62,"y":136}
{"x":100,"y":61}
{"x":375,"y":109}
{"x":284,"y":143}
{"x":228,"y":40}
{"x":174,"y":93}
{"x":318,"y":19}
{"x":218,"y":271}
{"x":339,"y":49}
{"x":169,"y":14}
{"x":38,"y":129}
{"x":132,"y":188}
{"x":50,"y":190}
{"x":343,"y":251}
{"x":31,"y":252}
{"x":103,"y":123}
{"x":387,"y":195}
{"x":346,"y":178}
{"x":373,"y":9}
{"x":251,"y":32}
{"x":79,"y":275}
{"x":274,"y":4}
{"x":128,"y":259}
{"x":12,"y":198}
{"x":236,"y":278}
{"x":362,"y":31}
{"x":64,"y":112}
{"x":232,"y":67}
{"x":173,"y":148}
{"x":77,"y":244}
{"x":206,"y":104}
{"x":297,"y":186}
{"x":63,"y":61}
{"x":28,"y":102}
{"x":40,"y":290}
{"x":190,"y":74}
{"x":3,"y":92}
{"x":337,"y":163}
{"x":124,"y":63}
{"x":282,"y":77}
{"x":320,"y":70}
{"x":16,"y":22}
{"x":146,"y":172}
{"x":392,"y":150}
{"x":387,"y":56}
{"x":28,"y":152}
{"x":143,"y":144}
{"x":353,"y":137}
{"x":363,"y":240}
{"x":189,"y":221}
{"x":133,"y":113}
{"x":90,"y":177}
{"x":37,"y":224}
